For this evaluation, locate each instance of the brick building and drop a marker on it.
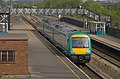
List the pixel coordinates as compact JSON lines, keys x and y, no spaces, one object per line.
{"x":13,"y":54}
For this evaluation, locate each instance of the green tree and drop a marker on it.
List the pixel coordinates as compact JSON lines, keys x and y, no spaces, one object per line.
{"x":1,"y":2}
{"x":94,"y":6}
{"x":112,"y":9}
{"x":62,"y":3}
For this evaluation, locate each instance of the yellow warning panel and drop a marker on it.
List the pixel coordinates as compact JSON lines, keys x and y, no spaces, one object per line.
{"x":80,"y":50}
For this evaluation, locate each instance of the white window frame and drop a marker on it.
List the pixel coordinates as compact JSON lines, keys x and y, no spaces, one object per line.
{"x":1,"y":53}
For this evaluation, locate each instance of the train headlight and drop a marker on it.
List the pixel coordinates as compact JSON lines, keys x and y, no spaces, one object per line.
{"x":88,"y":52}
{"x":72,"y":52}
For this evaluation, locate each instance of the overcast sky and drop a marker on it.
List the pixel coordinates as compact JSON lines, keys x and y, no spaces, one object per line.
{"x":8,"y":0}
{"x":95,"y":0}
{"x":17,"y":0}
{"x":83,"y":0}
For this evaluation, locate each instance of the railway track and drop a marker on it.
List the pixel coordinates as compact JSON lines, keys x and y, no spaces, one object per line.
{"x":108,"y":54}
{"x":103,"y":52}
{"x":85,"y":69}
{"x":106,"y":57}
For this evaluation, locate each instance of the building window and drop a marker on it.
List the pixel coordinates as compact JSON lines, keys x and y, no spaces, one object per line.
{"x":7,"y":56}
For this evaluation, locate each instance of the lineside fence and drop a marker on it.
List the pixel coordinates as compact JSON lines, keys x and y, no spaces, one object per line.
{"x":109,"y":30}
{"x":113,"y":32}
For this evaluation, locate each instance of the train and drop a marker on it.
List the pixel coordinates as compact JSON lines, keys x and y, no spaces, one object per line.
{"x":75,"y":44}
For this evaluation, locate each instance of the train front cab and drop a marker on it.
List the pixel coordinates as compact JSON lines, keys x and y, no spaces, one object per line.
{"x":80,"y":47}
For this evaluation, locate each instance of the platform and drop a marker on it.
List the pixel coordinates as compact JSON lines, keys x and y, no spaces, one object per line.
{"x":42,"y":63}
{"x":105,"y":39}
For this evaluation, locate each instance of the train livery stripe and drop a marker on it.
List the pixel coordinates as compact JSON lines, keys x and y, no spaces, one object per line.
{"x":80,"y":50}
{"x":79,"y":35}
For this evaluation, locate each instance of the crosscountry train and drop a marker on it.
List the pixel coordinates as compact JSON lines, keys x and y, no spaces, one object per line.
{"x":76,"y":44}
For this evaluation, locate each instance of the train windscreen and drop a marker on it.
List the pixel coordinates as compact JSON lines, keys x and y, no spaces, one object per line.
{"x":80,"y":42}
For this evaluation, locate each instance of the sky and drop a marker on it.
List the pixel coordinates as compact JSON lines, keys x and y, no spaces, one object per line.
{"x":83,"y":0}
{"x":95,"y":0}
{"x":8,"y":0}
{"x":22,"y":0}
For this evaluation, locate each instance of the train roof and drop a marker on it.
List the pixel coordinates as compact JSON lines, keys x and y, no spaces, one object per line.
{"x":64,"y":29}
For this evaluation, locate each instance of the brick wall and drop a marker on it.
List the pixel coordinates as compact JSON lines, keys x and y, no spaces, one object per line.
{"x":20,"y":66}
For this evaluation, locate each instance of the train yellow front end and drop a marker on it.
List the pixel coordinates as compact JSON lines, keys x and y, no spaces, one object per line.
{"x":80,"y":47}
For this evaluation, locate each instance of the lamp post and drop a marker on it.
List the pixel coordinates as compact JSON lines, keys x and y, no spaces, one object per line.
{"x":80,"y":9}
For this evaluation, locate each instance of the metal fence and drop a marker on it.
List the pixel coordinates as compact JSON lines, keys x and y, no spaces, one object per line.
{"x":73,"y":11}
{"x":110,"y":31}
{"x":113,"y":32}
{"x":72,"y":21}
